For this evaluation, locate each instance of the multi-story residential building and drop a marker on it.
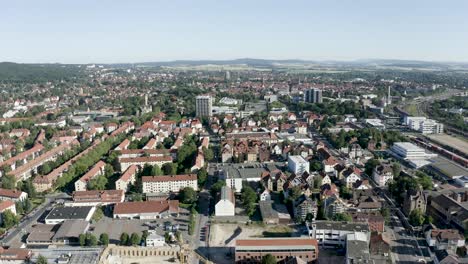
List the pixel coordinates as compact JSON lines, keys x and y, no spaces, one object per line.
{"x":305,"y":206}
{"x":26,"y":170}
{"x":141,"y":161}
{"x":204,"y":106}
{"x":226,"y":204}
{"x":382,"y":174}
{"x":12,"y":195}
{"x":448,"y":239}
{"x":135,"y":153}
{"x":313,"y":96}
{"x":128,"y":178}
{"x":283,"y":249}
{"x":97,"y":170}
{"x":166,"y":184}
{"x":22,"y":157}
{"x":298,"y":165}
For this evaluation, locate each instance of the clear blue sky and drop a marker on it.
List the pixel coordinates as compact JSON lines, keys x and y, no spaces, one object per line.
{"x":85,"y":31}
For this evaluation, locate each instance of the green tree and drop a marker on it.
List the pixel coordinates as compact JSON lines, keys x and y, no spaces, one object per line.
{"x":27,"y":206}
{"x":370,"y":165}
{"x":137,"y":197}
{"x":19,"y":207}
{"x":294,"y":193}
{"x":135,"y":239}
{"x":98,"y":183}
{"x":268,"y":259}
{"x":8,"y":182}
{"x":424,"y":180}
{"x":168,"y":142}
{"x":9,"y":219}
{"x":144,"y":235}
{"x":202,"y":176}
{"x":82,"y":239}
{"x":208,"y":153}
{"x":187,"y":195}
{"x":315,"y":165}
{"x":41,"y":260}
{"x":342,"y":217}
{"x":104,"y":239}
{"x":216,"y":188}
{"x":169,"y":168}
{"x":249,"y":197}
{"x":124,"y":239}
{"x":98,"y":214}
{"x":396,"y":169}
{"x":416,"y":217}
{"x":28,"y":187}
{"x":156,"y":171}
{"x":91,"y":240}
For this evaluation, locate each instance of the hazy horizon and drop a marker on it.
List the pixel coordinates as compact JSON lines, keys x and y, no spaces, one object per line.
{"x":156,"y":31}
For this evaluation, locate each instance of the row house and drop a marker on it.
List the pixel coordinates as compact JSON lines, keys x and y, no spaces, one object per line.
{"x":12,"y":195}
{"x":125,"y":163}
{"x":128,"y":178}
{"x":123,"y":145}
{"x":28,"y":169}
{"x":110,"y":127}
{"x":171,"y":183}
{"x":125,"y":127}
{"x":199,"y":162}
{"x":151,"y":144}
{"x":43,"y":183}
{"x":20,"y":133}
{"x":22,"y":157}
{"x":135,"y":153}
{"x":97,"y":170}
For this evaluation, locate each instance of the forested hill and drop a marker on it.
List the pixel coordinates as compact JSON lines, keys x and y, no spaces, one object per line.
{"x":38,"y":72}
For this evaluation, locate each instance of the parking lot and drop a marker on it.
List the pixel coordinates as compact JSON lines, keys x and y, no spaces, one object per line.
{"x":115,"y":227}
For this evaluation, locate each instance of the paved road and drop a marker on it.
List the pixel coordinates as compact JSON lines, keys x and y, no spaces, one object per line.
{"x":405,"y":248}
{"x":13,"y":238}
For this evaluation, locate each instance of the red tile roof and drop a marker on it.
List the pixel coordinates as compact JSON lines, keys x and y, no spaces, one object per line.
{"x":6,"y":204}
{"x":93,"y":171}
{"x":129,"y":173}
{"x":14,"y":254}
{"x":147,"y":207}
{"x":98,"y":196}
{"x":10,"y":193}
